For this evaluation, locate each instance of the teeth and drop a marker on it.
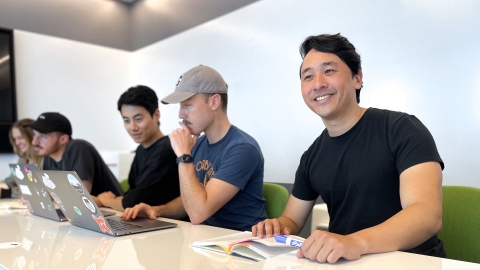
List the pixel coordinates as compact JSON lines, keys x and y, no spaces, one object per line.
{"x":322,"y":97}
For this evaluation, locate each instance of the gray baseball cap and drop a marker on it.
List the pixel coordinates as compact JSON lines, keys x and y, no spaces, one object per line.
{"x":200,"y":79}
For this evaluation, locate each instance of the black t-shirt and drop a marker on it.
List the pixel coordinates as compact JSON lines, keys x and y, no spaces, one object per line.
{"x":357,"y":174}
{"x":80,"y":156}
{"x":153,"y":177}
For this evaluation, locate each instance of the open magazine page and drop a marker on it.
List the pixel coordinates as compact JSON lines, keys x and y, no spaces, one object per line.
{"x":226,"y":242}
{"x":266,"y":247}
{"x":243,"y":244}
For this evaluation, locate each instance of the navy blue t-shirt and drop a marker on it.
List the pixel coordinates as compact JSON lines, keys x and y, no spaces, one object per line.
{"x":237,"y":160}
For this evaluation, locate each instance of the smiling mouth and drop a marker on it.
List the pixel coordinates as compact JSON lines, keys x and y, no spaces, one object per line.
{"x":323,"y":97}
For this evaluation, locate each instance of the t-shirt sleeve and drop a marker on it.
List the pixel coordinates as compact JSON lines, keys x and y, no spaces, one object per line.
{"x":301,"y":187}
{"x":411,"y":143}
{"x":239,"y":164}
{"x":80,"y":159}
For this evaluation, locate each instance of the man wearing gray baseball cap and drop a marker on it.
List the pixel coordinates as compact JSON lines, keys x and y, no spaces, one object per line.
{"x":221,"y":172}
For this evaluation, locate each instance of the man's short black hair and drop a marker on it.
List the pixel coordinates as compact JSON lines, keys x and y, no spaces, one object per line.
{"x":338,"y":45}
{"x":139,"y":95}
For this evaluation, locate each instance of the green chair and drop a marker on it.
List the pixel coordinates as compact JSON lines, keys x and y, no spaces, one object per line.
{"x":276,"y":197}
{"x":461,"y":223}
{"x":125,"y":185}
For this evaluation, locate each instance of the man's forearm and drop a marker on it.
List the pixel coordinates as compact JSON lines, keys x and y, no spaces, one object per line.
{"x":115,"y":203}
{"x":193,"y":193}
{"x":407,"y":229}
{"x":173,"y":209}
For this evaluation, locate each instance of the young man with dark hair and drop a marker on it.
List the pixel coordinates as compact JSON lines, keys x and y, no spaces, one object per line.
{"x":53,"y":140}
{"x":221,"y":173}
{"x":378,"y":171}
{"x":153,"y":177}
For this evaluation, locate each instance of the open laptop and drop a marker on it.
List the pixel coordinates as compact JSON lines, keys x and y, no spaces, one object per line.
{"x":82,"y":211}
{"x":35,"y":194}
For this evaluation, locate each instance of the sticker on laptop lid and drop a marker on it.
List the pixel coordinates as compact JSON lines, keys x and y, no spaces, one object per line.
{"x":41,"y":203}
{"x":48,"y":183}
{"x":101,"y":223}
{"x":75,"y":183}
{"x":28,"y":172}
{"x":90,"y":206}
{"x":58,"y":201}
{"x":19,"y":173}
{"x":25,"y":190}
{"x":77,"y":210}
{"x":29,"y":207}
{"x":49,"y":207}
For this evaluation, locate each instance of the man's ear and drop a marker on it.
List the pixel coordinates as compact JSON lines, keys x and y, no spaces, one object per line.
{"x":64,"y":138}
{"x":215,"y":102}
{"x":156,"y":114}
{"x":358,"y":79}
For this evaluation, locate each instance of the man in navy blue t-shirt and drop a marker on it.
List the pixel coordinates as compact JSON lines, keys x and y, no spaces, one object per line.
{"x":221,"y":172}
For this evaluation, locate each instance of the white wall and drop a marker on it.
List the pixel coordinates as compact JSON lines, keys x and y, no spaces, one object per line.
{"x":80,"y":80}
{"x":420,"y":57}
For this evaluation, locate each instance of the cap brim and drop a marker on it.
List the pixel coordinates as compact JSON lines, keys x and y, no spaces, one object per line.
{"x":177,"y":97}
{"x":39,"y":127}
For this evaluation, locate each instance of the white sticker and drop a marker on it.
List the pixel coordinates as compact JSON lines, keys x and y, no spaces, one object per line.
{"x":58,"y":201}
{"x":25,"y":190}
{"x":90,"y":206}
{"x":19,"y":173}
{"x":48,"y":183}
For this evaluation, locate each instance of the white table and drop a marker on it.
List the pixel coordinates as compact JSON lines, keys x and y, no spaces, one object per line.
{"x":46,"y":244}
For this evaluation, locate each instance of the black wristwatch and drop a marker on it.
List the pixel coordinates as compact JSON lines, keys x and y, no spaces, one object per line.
{"x":185,"y":159}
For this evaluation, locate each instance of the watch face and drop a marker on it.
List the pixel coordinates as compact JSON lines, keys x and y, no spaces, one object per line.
{"x":185,"y":158}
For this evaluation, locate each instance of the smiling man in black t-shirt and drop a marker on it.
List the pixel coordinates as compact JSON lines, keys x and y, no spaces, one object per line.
{"x":153,"y":177}
{"x":378,"y":171}
{"x":52,"y":140}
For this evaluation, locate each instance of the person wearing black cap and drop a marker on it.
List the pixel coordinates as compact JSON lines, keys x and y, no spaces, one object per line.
{"x":53,"y":140}
{"x":221,"y":172}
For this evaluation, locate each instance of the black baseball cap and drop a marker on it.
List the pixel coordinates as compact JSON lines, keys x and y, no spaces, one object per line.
{"x":50,"y":122}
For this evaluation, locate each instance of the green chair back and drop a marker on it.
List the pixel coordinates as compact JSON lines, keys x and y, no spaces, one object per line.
{"x":461,"y":223}
{"x":276,"y":197}
{"x":125,"y":185}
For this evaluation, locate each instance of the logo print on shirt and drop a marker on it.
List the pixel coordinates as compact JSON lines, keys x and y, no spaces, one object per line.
{"x":101,"y":223}
{"x":205,"y":165}
{"x":101,"y":251}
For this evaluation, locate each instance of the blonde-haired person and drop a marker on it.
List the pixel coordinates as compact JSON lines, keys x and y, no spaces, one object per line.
{"x":21,"y":140}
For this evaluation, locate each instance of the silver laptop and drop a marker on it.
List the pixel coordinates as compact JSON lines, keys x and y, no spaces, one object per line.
{"x":35,"y":194}
{"x":82,"y":211}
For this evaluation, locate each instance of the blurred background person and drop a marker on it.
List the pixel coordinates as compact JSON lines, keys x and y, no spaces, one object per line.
{"x":21,"y":140}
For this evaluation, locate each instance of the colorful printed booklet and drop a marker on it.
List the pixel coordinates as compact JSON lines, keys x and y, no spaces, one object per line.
{"x":245,"y":245}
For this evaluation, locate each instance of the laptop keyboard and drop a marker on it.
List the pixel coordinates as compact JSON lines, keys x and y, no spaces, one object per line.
{"x":121,"y":226}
